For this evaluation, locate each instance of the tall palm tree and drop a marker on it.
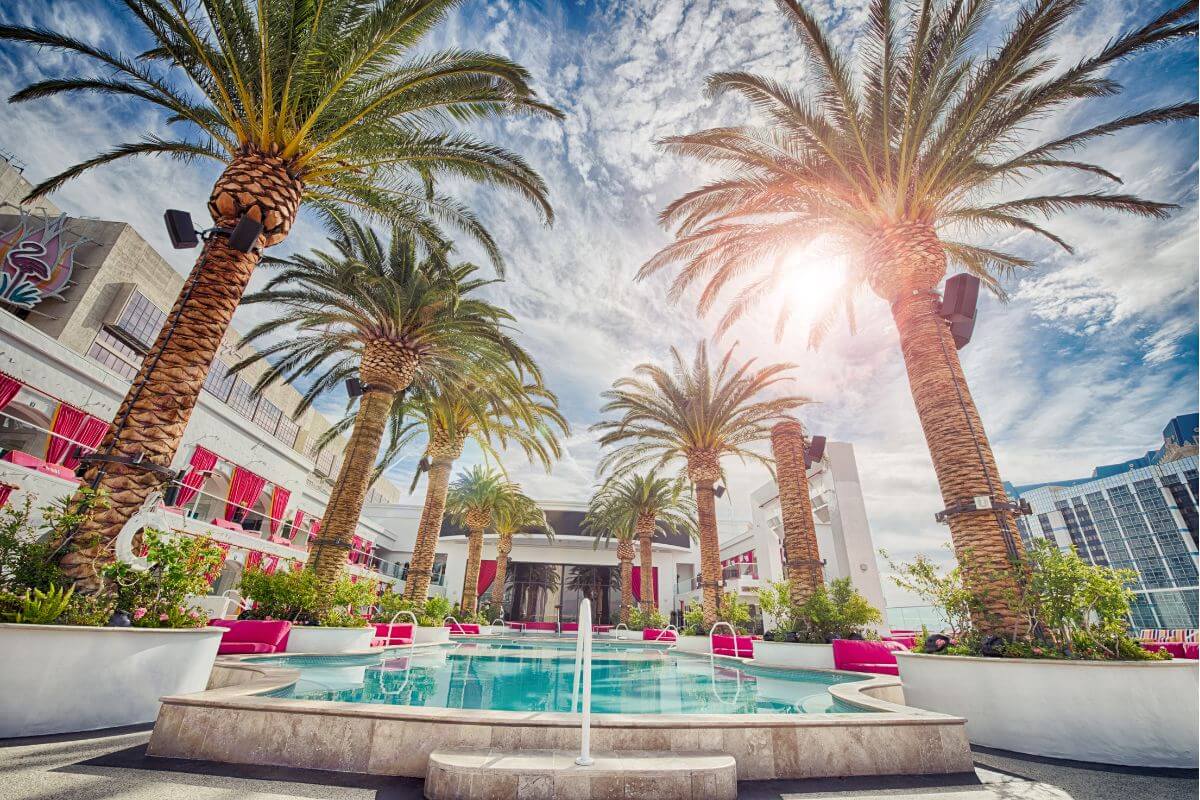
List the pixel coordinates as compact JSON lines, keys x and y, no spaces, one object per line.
{"x":390,"y":315}
{"x":648,"y":502}
{"x":335,"y":105}
{"x":894,"y":169}
{"x":803,"y":568}
{"x":696,"y":414}
{"x":472,"y":501}
{"x":496,"y":412}
{"x":605,"y":523}
{"x":520,"y":513}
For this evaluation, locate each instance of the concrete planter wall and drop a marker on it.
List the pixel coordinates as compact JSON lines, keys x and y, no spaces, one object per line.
{"x":314,"y":639}
{"x":423,"y":634}
{"x":693,"y":644}
{"x":65,"y":678}
{"x":791,"y":654}
{"x":1133,"y":713}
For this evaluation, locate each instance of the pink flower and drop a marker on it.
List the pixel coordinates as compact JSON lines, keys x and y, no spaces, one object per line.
{"x":138,"y":613}
{"x":194,"y":614}
{"x":163,"y":617}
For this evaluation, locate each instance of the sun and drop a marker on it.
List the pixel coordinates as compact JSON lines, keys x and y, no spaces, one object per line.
{"x":813,"y":277}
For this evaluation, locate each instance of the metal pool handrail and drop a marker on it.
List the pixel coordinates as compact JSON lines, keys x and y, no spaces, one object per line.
{"x":713,"y":629}
{"x":451,"y":618}
{"x":583,"y":662}
{"x":670,"y":627}
{"x":416,"y":624}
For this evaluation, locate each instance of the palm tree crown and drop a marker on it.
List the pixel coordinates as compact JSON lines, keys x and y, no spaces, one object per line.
{"x":520,"y":513}
{"x":624,"y":500}
{"x":932,"y":138}
{"x":335,"y":91}
{"x":695,"y":413}
{"x":476,"y":495}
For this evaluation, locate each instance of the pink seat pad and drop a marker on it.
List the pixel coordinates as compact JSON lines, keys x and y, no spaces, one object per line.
{"x":269,"y":632}
{"x":658,"y":635}
{"x":237,"y":648}
{"x":878,"y":669}
{"x":739,"y":646}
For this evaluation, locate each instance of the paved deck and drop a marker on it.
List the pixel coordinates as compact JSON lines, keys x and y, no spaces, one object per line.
{"x":112,"y":764}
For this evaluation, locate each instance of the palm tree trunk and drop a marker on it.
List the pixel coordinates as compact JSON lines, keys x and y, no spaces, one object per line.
{"x":470,"y":590}
{"x":803,"y":568}
{"x":985,"y":541}
{"x":420,"y":567}
{"x":710,"y":553}
{"x":156,"y":410}
{"x":645,"y":534}
{"x":503,"y":548}
{"x":354,"y":479}
{"x":625,"y":556}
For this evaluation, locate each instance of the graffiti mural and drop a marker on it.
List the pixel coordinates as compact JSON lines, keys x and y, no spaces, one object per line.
{"x":36,"y":260}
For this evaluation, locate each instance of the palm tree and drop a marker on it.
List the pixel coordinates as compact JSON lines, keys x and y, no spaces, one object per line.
{"x":605,"y":523}
{"x":335,"y":105}
{"x":803,"y":567}
{"x":695,"y":414}
{"x":893,"y":170}
{"x":390,"y":315}
{"x":594,"y":583}
{"x":519,"y":513}
{"x":495,"y":411}
{"x":647,"y":502}
{"x":472,"y":501}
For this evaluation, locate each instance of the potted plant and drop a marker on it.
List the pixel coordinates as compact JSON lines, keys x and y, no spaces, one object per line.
{"x":639,"y":620}
{"x":431,"y":616}
{"x":74,"y":662}
{"x":802,"y":633}
{"x":694,"y":637}
{"x":1069,"y":682}
{"x":292,"y":595}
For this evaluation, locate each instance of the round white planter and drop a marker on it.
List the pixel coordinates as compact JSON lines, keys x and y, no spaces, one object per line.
{"x":1133,"y":713}
{"x":316,"y":639}
{"x":424,"y":633}
{"x":792,"y":654}
{"x":67,"y":678}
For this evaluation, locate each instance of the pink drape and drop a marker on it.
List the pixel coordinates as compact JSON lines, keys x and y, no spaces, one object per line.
{"x":244,"y":490}
{"x":202,"y":461}
{"x":355,"y":553}
{"x":487,"y":574}
{"x":637,"y":583}
{"x":279,"y":501}
{"x":6,"y":489}
{"x":66,"y":423}
{"x":9,"y":386}
{"x":90,"y":434}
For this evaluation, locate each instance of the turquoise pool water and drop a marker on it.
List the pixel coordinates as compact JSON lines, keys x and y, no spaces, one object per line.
{"x":539,"y":677}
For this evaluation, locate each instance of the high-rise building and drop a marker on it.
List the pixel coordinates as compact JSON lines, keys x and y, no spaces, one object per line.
{"x":1138,"y":515}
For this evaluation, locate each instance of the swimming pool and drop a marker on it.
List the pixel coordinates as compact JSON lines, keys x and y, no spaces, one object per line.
{"x":534,"y":677}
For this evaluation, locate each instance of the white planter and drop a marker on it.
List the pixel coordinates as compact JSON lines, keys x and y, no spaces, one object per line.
{"x":316,"y":639}
{"x":1133,"y":713}
{"x":629,"y":636}
{"x":693,"y":644}
{"x":423,"y":634}
{"x":791,"y":654}
{"x":66,"y":678}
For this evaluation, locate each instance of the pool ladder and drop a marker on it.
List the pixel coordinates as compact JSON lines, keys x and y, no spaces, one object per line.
{"x":583,"y":673}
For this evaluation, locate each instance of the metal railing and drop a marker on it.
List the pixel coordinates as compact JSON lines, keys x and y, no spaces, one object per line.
{"x":583,"y":664}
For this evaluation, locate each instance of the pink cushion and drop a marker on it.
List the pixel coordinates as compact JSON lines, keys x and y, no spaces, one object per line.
{"x":658,"y":635}
{"x":541,"y":626}
{"x":387,"y":635}
{"x":23,"y":459}
{"x":226,"y":524}
{"x":866,"y":656}
{"x":238,"y":648}
{"x":468,"y":628}
{"x":570,"y":627}
{"x":738,"y":646}
{"x":909,"y":642}
{"x":273,"y":633}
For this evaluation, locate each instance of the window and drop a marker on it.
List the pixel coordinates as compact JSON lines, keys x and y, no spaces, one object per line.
{"x":267,"y":415}
{"x":241,"y":399}
{"x":141,"y":320}
{"x":116,"y":355}
{"x":218,"y":381}
{"x":288,"y":431}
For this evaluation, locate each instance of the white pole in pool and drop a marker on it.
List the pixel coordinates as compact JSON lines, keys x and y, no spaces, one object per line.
{"x":583,"y":656}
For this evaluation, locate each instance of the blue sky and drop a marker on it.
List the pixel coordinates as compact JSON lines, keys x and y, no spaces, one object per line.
{"x":1093,"y":354}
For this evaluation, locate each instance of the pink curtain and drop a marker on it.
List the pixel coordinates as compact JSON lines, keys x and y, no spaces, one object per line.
{"x":637,"y":584}
{"x":487,"y":574}
{"x":355,"y":546}
{"x":91,"y":433}
{"x":67,"y":421}
{"x":279,"y":501}
{"x":6,"y":489}
{"x":202,"y":461}
{"x":244,"y":490}
{"x":9,"y":386}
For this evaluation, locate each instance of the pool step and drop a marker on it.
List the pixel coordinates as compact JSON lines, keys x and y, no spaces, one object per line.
{"x":554,"y":775}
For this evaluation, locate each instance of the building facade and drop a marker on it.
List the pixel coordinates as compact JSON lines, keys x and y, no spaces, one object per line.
{"x":81,"y":303}
{"x":1139,"y":515}
{"x":752,"y":555}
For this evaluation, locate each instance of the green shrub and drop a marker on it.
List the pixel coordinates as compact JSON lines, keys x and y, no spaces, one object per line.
{"x":27,"y":552}
{"x":42,"y":607}
{"x":732,"y":610}
{"x":836,"y":611}
{"x":640,"y":619}
{"x":179,"y":566}
{"x":285,"y":594}
{"x":431,"y":613}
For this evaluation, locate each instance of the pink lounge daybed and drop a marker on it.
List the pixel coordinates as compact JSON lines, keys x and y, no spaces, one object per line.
{"x":909,"y":641}
{"x":866,"y":656}
{"x":463,"y":628}
{"x":737,"y":646}
{"x":534,"y":626}
{"x":1188,"y":650}
{"x":660,"y":635}
{"x":569,"y":627}
{"x":248,"y":636}
{"x":392,"y":635}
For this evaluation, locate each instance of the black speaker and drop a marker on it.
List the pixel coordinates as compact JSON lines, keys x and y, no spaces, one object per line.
{"x":354,"y":387}
{"x":960,"y":298}
{"x":245,"y":234}
{"x":815,"y":450}
{"x":961,"y":330}
{"x":180,"y":229}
